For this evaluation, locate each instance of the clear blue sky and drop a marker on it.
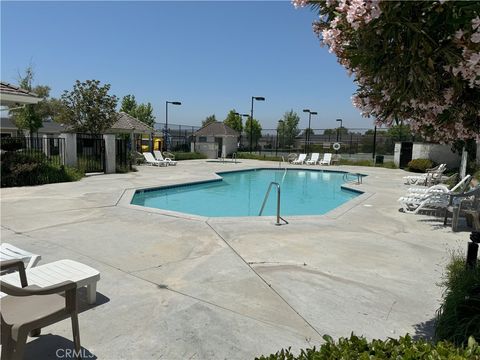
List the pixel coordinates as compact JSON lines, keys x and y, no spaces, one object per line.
{"x":211,"y":56}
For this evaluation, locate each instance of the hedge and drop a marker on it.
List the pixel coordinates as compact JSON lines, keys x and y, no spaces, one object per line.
{"x":420,"y":165}
{"x":360,"y":348}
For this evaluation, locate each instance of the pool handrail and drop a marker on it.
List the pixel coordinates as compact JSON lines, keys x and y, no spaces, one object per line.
{"x":278,"y":203}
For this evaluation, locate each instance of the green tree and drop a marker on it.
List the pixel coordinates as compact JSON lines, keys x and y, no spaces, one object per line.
{"x":255,"y":130}
{"x":234,"y":121}
{"x":89,"y":107}
{"x":129,"y":105}
{"x":288,"y":129}
{"x":144,"y":113}
{"x":399,"y":133}
{"x":209,"y":119}
{"x":28,"y":117}
{"x":408,"y":67}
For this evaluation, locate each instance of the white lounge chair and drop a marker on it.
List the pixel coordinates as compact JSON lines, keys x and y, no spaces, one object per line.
{"x":300,"y":160}
{"x":152,"y":161}
{"x":159,"y":157}
{"x":435,"y":200}
{"x":313,"y":159}
{"x":327,"y":159}
{"x":432,"y":201}
{"x":432,"y":176}
{"x":10,"y":252}
{"x":441,"y":187}
{"x":57,"y":272}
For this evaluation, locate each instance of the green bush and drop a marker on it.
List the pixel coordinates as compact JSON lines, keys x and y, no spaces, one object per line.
{"x":360,"y":348}
{"x":459,"y":316}
{"x":420,"y":165}
{"x":188,"y":155}
{"x":22,"y":169}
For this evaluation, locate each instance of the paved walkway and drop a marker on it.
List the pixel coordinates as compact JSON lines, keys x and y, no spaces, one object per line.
{"x":179,"y":288}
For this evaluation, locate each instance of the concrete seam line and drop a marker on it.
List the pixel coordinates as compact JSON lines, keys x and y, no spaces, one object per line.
{"x":261,"y":278}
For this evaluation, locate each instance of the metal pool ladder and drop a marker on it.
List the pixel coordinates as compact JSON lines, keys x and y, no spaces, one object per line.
{"x":278,"y":203}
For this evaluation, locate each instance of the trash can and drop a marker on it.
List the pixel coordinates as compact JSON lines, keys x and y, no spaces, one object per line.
{"x":379,"y":159}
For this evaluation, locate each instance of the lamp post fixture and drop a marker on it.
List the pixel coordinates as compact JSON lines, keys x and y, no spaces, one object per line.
{"x":341,"y":122}
{"x":307,"y":133}
{"x":166,"y":120}
{"x":242,"y":115}
{"x":258,"y":98}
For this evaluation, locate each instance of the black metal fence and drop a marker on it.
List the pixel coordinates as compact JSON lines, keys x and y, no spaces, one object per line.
{"x":91,"y":153}
{"x":361,"y":143}
{"x":178,"y":137}
{"x":122,"y":155}
{"x":39,"y":148}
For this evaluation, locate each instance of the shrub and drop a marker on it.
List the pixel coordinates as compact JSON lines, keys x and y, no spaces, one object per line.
{"x":188,"y":155}
{"x":459,"y":316}
{"x":360,"y":348}
{"x":420,"y":165}
{"x":22,"y":169}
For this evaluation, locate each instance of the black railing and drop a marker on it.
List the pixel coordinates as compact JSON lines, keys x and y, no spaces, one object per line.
{"x":39,"y":149}
{"x":121,"y":155}
{"x":91,"y":153}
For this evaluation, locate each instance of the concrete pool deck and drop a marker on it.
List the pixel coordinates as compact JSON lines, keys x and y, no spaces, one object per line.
{"x":231,"y":288}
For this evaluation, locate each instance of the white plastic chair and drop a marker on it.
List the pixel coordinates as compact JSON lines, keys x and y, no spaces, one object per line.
{"x":327,"y":159}
{"x":300,"y":160}
{"x":152,"y":161}
{"x":159,"y":157}
{"x":314,"y":159}
{"x":10,"y":252}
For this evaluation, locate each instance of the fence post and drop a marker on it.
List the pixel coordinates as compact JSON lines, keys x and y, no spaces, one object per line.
{"x":110,"y":161}
{"x":69,"y":153}
{"x":46,"y":145}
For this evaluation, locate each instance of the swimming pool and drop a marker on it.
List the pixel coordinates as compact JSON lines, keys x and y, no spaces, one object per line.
{"x":241,"y":193}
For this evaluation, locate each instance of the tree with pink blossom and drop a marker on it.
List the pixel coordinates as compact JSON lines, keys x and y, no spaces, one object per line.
{"x":413,"y":61}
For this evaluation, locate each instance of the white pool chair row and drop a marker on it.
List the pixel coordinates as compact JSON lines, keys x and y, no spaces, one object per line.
{"x":158,"y":160}
{"x":435,"y":197}
{"x":314,"y":159}
{"x":431,"y":177}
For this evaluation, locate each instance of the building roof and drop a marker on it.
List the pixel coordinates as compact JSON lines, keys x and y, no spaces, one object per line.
{"x":14,"y":95}
{"x":216,"y":128}
{"x":7,"y":123}
{"x":128,"y":123}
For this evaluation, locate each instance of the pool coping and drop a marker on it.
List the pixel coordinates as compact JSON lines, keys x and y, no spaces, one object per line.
{"x":127,"y":196}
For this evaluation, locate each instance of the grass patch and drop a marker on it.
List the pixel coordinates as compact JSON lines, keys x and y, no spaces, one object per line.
{"x":258,"y":157}
{"x":386,"y":164}
{"x":360,"y":348}
{"x":459,"y":316}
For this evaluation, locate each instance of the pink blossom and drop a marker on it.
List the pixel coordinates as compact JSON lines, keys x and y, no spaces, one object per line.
{"x":476,"y":23}
{"x":299,"y":3}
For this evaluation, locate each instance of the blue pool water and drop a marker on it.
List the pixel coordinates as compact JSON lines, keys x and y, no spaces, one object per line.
{"x":241,"y":193}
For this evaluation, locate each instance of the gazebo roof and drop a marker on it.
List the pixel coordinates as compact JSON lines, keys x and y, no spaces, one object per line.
{"x":127,"y":123}
{"x":216,"y":128}
{"x":11,"y":95}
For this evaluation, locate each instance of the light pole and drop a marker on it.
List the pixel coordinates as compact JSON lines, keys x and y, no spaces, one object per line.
{"x":258,"y":98}
{"x":242,"y":115}
{"x":307,"y":133}
{"x":280,"y":122}
{"x":166,"y":119}
{"x":341,"y":122}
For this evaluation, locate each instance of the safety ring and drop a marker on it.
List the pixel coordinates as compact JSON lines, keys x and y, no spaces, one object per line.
{"x":336,"y":146}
